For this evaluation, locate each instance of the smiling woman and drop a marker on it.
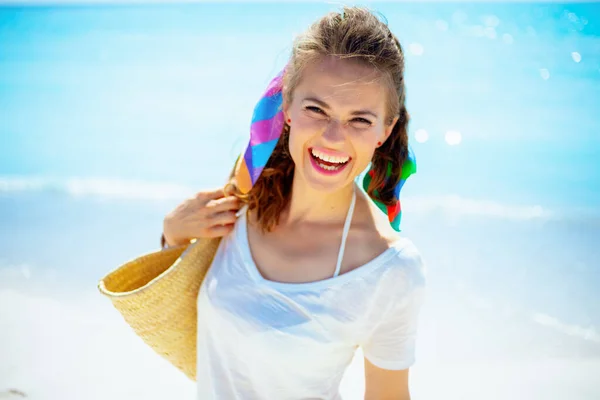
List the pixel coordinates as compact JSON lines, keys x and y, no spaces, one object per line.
{"x":113,"y":115}
{"x":313,"y":269}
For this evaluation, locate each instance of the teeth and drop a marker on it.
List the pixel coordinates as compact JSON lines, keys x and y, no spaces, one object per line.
{"x":329,"y":167}
{"x":328,"y":158}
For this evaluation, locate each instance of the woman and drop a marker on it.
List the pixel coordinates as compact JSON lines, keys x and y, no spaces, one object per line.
{"x":311,"y":269}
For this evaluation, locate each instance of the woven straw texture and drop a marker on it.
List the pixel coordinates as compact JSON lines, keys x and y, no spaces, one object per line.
{"x":156,"y":294}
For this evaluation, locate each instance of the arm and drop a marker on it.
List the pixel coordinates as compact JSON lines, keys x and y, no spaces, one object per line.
{"x":385,"y":384}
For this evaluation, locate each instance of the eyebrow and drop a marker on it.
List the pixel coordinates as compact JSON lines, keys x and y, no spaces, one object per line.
{"x":326,"y":106}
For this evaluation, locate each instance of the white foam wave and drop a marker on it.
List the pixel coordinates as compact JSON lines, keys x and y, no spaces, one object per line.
{"x":106,"y":188}
{"x":572,"y":330}
{"x":13,"y":272}
{"x":100,"y":188}
{"x":455,"y":204}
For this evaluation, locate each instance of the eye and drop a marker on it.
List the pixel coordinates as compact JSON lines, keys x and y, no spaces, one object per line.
{"x":362,"y":122}
{"x":315,"y":109}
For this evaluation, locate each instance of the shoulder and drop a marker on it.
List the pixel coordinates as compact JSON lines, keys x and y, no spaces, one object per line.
{"x":407,"y":261}
{"x":375,"y":235}
{"x":401,"y":285}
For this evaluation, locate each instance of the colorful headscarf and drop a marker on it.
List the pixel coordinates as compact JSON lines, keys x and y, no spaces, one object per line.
{"x":265,"y":130}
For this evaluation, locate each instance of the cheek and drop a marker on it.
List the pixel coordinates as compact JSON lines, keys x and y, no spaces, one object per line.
{"x":297,"y":142}
{"x":364,"y":145}
{"x":363,"y":157}
{"x":308,"y":125}
{"x":303,"y":129}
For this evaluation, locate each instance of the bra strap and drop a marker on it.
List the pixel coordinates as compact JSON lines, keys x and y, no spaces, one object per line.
{"x":345,"y":233}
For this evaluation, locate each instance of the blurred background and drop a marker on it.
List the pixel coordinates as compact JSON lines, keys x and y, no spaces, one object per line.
{"x":110,"y":115}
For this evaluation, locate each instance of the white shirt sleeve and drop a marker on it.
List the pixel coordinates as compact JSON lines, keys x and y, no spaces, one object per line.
{"x":391,"y":342}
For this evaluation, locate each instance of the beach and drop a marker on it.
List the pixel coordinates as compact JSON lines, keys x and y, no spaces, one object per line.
{"x":112,"y":115}
{"x":84,"y":350}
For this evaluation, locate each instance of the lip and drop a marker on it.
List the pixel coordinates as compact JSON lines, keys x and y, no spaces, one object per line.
{"x":328,"y":152}
{"x":326,"y":171}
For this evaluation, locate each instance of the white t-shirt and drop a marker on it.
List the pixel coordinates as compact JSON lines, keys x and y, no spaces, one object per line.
{"x":262,"y":340}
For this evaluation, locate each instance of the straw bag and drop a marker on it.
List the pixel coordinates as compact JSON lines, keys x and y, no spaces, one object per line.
{"x":156,"y":295}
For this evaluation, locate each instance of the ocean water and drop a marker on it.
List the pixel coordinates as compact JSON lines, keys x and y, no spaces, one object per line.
{"x":111,"y":115}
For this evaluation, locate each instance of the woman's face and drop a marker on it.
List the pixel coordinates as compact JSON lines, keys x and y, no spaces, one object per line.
{"x":338,"y":115}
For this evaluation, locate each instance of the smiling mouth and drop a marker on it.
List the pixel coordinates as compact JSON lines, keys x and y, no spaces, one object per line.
{"x":326,"y":164}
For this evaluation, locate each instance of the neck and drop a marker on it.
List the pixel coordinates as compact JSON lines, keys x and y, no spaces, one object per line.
{"x":311,"y":206}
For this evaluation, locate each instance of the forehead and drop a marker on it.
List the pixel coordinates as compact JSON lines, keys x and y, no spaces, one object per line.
{"x":343,"y":82}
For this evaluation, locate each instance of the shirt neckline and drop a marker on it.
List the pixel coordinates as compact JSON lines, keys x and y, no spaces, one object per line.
{"x":244,"y":250}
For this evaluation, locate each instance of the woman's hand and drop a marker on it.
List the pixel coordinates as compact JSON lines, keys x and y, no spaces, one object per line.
{"x":207,"y":214}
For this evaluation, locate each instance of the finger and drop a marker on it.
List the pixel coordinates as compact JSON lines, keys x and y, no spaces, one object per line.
{"x":229,"y":190}
{"x":230,"y":203}
{"x":220,"y":230}
{"x":223,"y":218}
{"x":211,"y":194}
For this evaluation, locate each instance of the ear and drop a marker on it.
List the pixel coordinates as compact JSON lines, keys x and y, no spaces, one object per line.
{"x":286,"y":114}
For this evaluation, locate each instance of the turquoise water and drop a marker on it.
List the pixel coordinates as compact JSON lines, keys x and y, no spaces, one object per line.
{"x":89,"y":89}
{"x":111,"y":115}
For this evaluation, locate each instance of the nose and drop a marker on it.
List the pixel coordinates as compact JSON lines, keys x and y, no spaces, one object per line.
{"x":334,"y":132}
